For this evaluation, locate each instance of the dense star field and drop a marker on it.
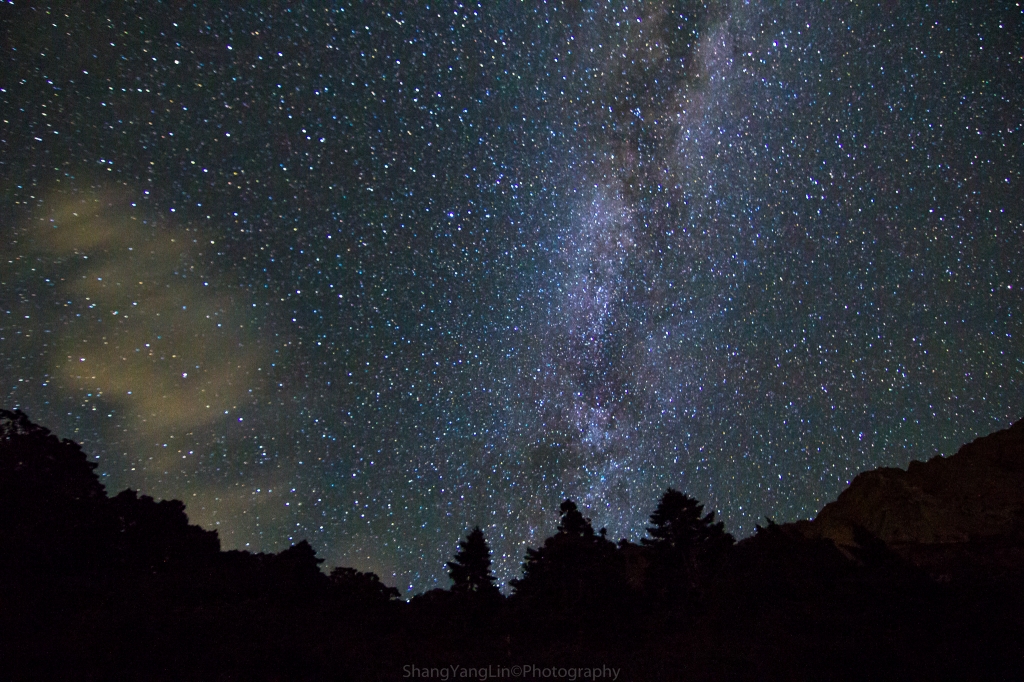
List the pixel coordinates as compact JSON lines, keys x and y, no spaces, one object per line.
{"x":371,"y":275}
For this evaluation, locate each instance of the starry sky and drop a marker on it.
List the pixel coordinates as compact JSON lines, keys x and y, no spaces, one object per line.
{"x":370,"y":274}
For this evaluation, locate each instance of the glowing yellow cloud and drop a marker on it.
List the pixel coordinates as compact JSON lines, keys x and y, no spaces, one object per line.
{"x":139,"y":324}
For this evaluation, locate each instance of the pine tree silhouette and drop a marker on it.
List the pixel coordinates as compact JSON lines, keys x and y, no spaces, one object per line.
{"x":679,"y":525}
{"x":470,"y":570}
{"x":683,"y":542}
{"x":573,"y":523}
{"x":573,"y":567}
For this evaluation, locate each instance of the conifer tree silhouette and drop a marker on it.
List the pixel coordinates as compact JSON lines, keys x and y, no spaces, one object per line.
{"x":470,"y":570}
{"x":573,"y":566}
{"x":678,"y":524}
{"x":573,"y":523}
{"x":683,"y":541}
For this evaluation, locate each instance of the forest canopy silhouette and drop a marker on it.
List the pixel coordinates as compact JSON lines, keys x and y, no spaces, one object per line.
{"x":124,"y":587}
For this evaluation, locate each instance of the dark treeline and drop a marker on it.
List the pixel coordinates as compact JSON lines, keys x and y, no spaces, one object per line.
{"x":123,"y":587}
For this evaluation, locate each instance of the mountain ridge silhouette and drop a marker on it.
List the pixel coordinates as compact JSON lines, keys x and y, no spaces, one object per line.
{"x":909,"y":574}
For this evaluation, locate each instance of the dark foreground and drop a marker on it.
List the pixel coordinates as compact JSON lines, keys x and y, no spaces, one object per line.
{"x":100,"y":588}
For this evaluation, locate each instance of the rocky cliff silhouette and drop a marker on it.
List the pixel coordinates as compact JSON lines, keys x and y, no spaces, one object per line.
{"x":975,"y":494}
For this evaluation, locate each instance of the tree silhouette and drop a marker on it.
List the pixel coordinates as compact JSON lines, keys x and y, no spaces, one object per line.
{"x":51,"y":503}
{"x":470,"y":571}
{"x":683,"y":542}
{"x":363,"y":588}
{"x":573,"y":568}
{"x":678,"y":525}
{"x":157,"y":534}
{"x":299,"y":561}
{"x":573,"y":524}
{"x":35,"y":464}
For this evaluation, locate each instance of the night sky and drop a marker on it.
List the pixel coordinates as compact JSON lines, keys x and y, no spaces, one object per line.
{"x":371,"y":275}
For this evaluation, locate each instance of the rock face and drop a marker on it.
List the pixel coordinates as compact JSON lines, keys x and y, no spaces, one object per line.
{"x":977,"y":493}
